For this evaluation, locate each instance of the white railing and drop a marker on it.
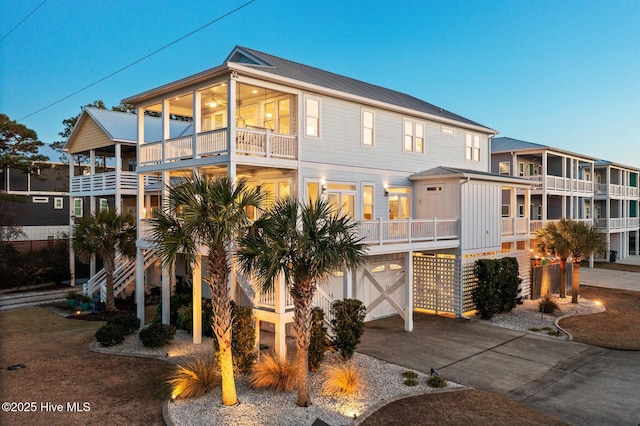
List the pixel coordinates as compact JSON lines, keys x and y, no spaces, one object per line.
{"x":515,"y":226}
{"x":179,"y":148}
{"x":407,"y":231}
{"x":324,"y":301}
{"x":267,"y":299}
{"x":151,"y":153}
{"x":123,"y":275}
{"x":261,"y":143}
{"x":537,"y":224}
{"x":536,"y":180}
{"x":632,"y":191}
{"x":103,"y":182}
{"x":211,"y":143}
{"x":264,"y":143}
{"x":617,"y":223}
{"x":557,"y":183}
{"x":582,"y":186}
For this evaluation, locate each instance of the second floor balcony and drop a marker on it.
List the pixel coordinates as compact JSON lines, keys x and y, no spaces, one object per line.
{"x":108,"y":183}
{"x":250,"y":142}
{"x":617,"y":223}
{"x":613,"y":190}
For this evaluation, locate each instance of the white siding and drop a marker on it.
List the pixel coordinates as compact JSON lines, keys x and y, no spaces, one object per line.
{"x":481,"y":216}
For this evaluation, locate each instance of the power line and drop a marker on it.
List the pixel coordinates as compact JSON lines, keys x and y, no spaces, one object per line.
{"x":139,"y":60}
{"x":20,"y":23}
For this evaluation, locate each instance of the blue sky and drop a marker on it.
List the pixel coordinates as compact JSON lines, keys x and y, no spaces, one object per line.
{"x":561,"y":73}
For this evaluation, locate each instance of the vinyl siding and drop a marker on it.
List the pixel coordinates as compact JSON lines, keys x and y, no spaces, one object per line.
{"x":481,"y":216}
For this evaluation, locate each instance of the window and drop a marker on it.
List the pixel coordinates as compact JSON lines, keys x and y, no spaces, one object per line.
{"x":504,"y":168}
{"x":58,"y":203}
{"x":520,"y":210}
{"x":506,"y":210}
{"x":531,"y":169}
{"x":521,"y":169}
{"x":342,"y":198}
{"x":367,"y":202}
{"x":104,"y":204}
{"x":447,"y":131}
{"x":312,"y":117}
{"x":413,"y":137}
{"x":587,"y":212}
{"x":77,"y":207}
{"x":399,"y":203}
{"x":367,"y":128}
{"x":40,"y":199}
{"x":472,"y":147}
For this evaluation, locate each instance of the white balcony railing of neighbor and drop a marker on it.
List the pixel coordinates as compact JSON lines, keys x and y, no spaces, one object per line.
{"x":408,"y":231}
{"x":558,"y":183}
{"x":537,"y":224}
{"x":613,"y":190}
{"x":616,"y":223}
{"x":254,"y":142}
{"x":104,"y":182}
{"x":536,"y":180}
{"x":515,"y":226}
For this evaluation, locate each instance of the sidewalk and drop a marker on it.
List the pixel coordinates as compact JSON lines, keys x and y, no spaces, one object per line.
{"x":610,"y":278}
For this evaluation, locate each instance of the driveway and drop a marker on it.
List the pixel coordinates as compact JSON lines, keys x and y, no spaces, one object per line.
{"x":608,"y":278}
{"x":577,"y":383}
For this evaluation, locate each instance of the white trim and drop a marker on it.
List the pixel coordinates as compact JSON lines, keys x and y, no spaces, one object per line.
{"x":58,"y":203}
{"x":414,"y":135}
{"x":40,"y":200}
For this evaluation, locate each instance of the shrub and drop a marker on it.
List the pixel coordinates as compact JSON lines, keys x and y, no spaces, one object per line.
{"x":436,"y":382}
{"x":129,"y":322}
{"x":156,"y":335}
{"x":243,"y":339}
{"x":181,"y":315}
{"x":411,"y":382}
{"x":410,"y":375}
{"x":341,"y":380}
{"x":497,"y":288}
{"x":194,"y":379}
{"x":318,"y":339}
{"x":348,"y":325}
{"x":547,"y":305}
{"x":271,"y":373}
{"x":72,"y":295}
{"x":111,"y":334}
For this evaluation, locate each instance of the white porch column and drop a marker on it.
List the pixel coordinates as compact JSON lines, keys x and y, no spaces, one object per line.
{"x":166,"y":128}
{"x":72,"y":256}
{"x":118,"y":196}
{"x":197,"y":121}
{"x":544,"y":186}
{"x":140,"y":285}
{"x":279,"y":296}
{"x":231,"y":127}
{"x":408,"y":319}
{"x":196,"y":280}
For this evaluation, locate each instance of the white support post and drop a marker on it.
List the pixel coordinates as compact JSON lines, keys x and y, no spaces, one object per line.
{"x":196,"y":280}
{"x":166,"y":128}
{"x":166,"y":292}
{"x":197,"y":120}
{"x":281,"y":339}
{"x":140,"y":285}
{"x":408,"y":319}
{"x":544,"y":187}
{"x":118,"y":195}
{"x":72,"y":256}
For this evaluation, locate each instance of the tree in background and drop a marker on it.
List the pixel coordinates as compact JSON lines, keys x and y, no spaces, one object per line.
{"x":18,"y":149}
{"x":549,"y":240}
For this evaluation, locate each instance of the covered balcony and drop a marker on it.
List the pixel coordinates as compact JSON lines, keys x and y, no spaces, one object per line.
{"x":197,"y":125}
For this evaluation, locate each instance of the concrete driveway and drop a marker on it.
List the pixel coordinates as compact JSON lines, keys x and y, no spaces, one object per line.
{"x":580,"y":384}
{"x":610,"y":279}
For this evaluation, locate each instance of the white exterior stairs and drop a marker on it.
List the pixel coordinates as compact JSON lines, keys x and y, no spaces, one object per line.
{"x":123,"y":276}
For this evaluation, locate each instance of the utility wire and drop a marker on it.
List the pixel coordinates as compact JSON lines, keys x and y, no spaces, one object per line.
{"x":20,"y":23}
{"x":139,"y":60}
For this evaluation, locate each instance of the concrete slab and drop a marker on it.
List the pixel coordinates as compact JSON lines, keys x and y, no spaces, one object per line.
{"x":610,"y":279}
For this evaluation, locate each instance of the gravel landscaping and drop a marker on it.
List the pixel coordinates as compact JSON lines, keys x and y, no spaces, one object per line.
{"x":383,"y":381}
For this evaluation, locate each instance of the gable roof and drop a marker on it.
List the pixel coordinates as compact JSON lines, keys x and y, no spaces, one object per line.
{"x":443,"y":172}
{"x":290,"y":69}
{"x":123,"y":126}
{"x":242,"y":58}
{"x":509,"y":144}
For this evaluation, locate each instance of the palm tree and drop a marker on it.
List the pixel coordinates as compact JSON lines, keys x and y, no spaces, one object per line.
{"x":104,"y":234}
{"x":585,"y":241}
{"x":549,"y":239}
{"x":304,"y":243}
{"x":210,"y":212}
{"x":572,"y":238}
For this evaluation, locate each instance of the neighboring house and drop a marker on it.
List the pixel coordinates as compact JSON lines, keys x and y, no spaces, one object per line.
{"x":576,"y":186}
{"x":108,"y":142}
{"x":40,"y":204}
{"x":563,"y":180}
{"x":616,"y":206}
{"x":415,"y":176}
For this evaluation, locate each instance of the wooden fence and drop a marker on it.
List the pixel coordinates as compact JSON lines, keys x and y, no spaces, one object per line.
{"x":545,"y":279}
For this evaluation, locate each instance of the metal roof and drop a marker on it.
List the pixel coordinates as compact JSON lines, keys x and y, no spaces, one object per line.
{"x":509,"y":144}
{"x":452,"y":172}
{"x":286,"y":68}
{"x":123,"y":126}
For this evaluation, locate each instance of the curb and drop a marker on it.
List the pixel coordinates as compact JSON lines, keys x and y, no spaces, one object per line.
{"x":556,"y":322}
{"x":371,"y":410}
